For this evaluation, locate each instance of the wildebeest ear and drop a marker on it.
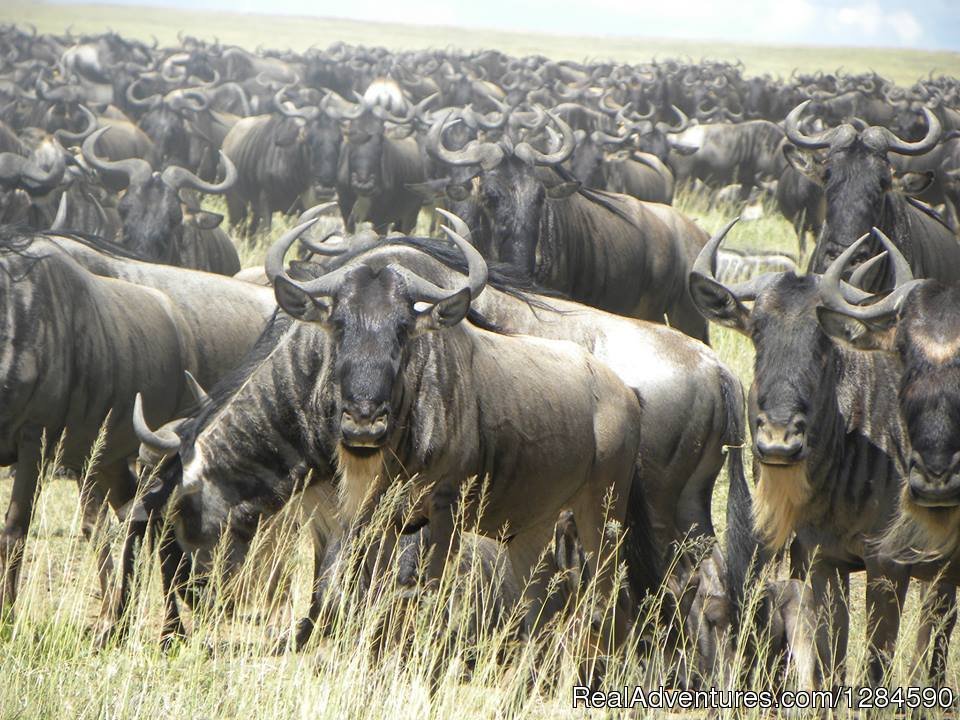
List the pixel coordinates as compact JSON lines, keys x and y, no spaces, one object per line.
{"x":206,"y":220}
{"x":446,"y":313}
{"x":682,"y":149}
{"x":296,"y":303}
{"x":913,"y":183}
{"x":855,"y":333}
{"x":804,"y":163}
{"x":716,"y":302}
{"x":563,"y":190}
{"x":429,"y":190}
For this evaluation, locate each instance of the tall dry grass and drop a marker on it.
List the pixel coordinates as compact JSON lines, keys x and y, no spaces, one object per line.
{"x":434,"y":665}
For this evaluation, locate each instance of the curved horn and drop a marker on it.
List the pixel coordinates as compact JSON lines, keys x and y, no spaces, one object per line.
{"x":162,"y":442}
{"x":136,"y":170}
{"x":832,"y":295}
{"x":60,"y":221}
{"x":178,"y":177}
{"x":882,"y":138}
{"x":188,"y":99}
{"x":841,"y":135}
{"x":151,"y":101}
{"x":679,"y":127}
{"x":706,"y":266}
{"x":69,"y":138}
{"x":531,"y":155}
{"x":476,"y":266}
{"x":273,"y":262}
{"x":475,"y":152}
{"x":344,"y":110}
{"x":307,"y":112}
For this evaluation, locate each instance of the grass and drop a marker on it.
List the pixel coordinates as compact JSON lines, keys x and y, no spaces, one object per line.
{"x":228,"y":669}
{"x":299,"y":33}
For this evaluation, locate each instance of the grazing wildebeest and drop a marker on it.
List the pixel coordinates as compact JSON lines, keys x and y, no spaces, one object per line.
{"x":602,"y":249}
{"x":829,"y":449}
{"x":858,"y":186}
{"x":81,"y":345}
{"x":152,"y":215}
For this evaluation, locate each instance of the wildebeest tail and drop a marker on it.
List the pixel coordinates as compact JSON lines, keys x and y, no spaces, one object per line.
{"x":745,"y":554}
{"x":644,"y":560}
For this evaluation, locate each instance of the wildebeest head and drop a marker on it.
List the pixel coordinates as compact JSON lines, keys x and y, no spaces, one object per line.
{"x":165,"y":122}
{"x":320,"y":131}
{"x":373,"y":316}
{"x":792,"y":400}
{"x":512,"y":190}
{"x":856,"y":176}
{"x":918,"y":323}
{"x":150,"y":209}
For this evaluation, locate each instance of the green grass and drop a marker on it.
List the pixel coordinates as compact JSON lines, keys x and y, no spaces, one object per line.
{"x":299,"y":33}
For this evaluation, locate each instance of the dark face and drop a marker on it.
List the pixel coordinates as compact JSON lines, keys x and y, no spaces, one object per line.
{"x":587,"y":163}
{"x":324,"y":139}
{"x":928,"y":345}
{"x":169,"y":134}
{"x":655,"y":143}
{"x":857,"y":180}
{"x":511,"y":197}
{"x":792,"y":355}
{"x":152,"y":220}
{"x":372,"y":321}
{"x":365,"y":150}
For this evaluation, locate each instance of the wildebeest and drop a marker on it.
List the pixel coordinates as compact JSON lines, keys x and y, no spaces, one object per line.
{"x":152,"y":214}
{"x":606,"y":250}
{"x":680,"y":454}
{"x":383,"y":350}
{"x":362,"y":425}
{"x":916,"y":324}
{"x":279,"y":157}
{"x":722,"y":153}
{"x":829,"y":448}
{"x":376,"y":168}
{"x":858,"y":187}
{"x":81,"y":345}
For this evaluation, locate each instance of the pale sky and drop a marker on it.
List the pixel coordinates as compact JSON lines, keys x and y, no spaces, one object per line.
{"x":926,"y":24}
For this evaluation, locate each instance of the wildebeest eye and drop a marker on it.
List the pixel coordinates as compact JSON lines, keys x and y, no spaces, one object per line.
{"x":458,"y":191}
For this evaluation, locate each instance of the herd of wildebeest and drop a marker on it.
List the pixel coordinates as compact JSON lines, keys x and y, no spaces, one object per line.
{"x":550,"y":339}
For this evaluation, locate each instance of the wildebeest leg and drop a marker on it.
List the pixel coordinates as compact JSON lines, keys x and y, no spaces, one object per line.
{"x":886,"y":590}
{"x":172,"y":562}
{"x":444,"y":537}
{"x":93,"y":506}
{"x":19,"y":513}
{"x":118,"y":485}
{"x":262,"y":217}
{"x":831,"y":589}
{"x":938,"y":617}
{"x":236,"y":210}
